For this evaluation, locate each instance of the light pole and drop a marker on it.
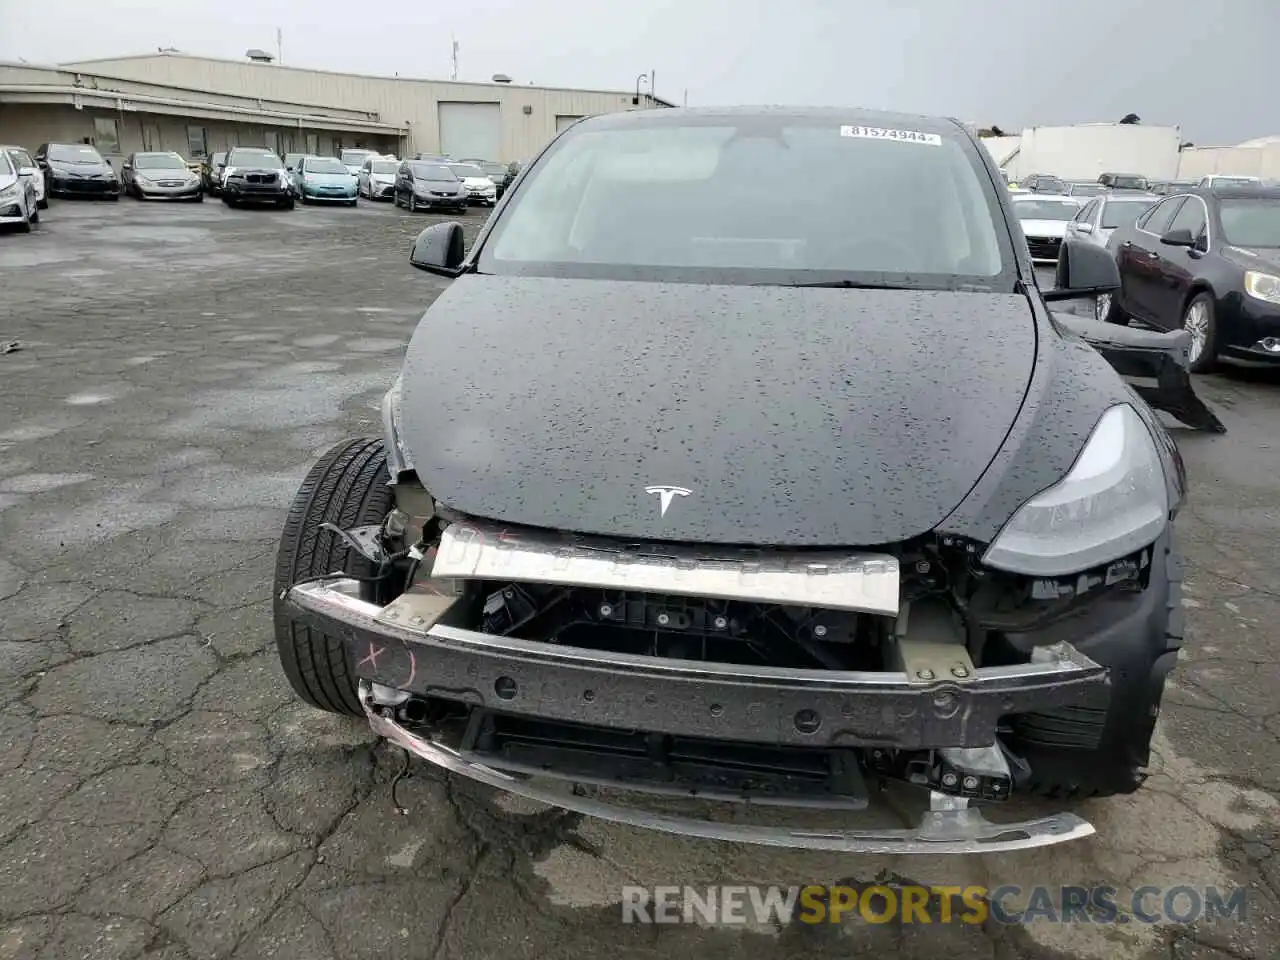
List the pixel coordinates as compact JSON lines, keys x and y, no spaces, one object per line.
{"x":643,"y":78}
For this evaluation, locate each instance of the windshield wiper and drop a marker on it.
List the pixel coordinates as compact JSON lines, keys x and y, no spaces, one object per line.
{"x":845,"y":284}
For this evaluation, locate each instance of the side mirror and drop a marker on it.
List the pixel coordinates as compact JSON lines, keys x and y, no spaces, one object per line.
{"x":125,"y":166}
{"x":1084,"y":270}
{"x":439,"y":249}
{"x":29,"y":172}
{"x":1084,"y":227}
{"x":1178,"y":238}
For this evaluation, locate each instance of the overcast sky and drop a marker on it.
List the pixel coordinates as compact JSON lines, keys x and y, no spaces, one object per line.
{"x":1207,"y":67}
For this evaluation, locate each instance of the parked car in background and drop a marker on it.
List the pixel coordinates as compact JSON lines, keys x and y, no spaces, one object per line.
{"x":17,"y":194}
{"x":354,"y":159}
{"x":256,"y":175}
{"x":1044,"y":183}
{"x":433,"y":157}
{"x":1102,"y":215}
{"x":421,"y":185}
{"x":324,"y":180}
{"x":1224,"y":180}
{"x":499,"y":173}
{"x":480,"y":189}
{"x":27,"y":166}
{"x":1044,"y":219}
{"x":159,"y":176}
{"x":1209,"y":262}
{"x":1166,"y":187}
{"x":377,"y":178}
{"x":211,"y":173}
{"x":1080,"y":190}
{"x":1125,"y":181}
{"x":76,"y":170}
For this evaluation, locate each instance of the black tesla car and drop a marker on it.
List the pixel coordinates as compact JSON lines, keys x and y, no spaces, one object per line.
{"x":788,"y":496}
{"x":1207,"y":261}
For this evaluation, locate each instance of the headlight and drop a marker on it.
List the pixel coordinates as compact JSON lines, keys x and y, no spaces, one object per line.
{"x":10,"y":192}
{"x":1263,"y":286}
{"x":397,"y":457}
{"x":1111,"y":503}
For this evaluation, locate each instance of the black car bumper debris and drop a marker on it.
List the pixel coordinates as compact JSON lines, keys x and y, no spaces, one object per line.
{"x":578,"y":727}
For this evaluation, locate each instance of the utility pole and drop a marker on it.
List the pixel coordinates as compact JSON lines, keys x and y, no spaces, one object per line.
{"x":455,"y":59}
{"x":653,"y":74}
{"x":686,"y":96}
{"x":279,"y":46}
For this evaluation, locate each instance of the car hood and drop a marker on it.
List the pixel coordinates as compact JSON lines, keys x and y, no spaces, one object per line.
{"x":1044,"y":228}
{"x":81,"y":169}
{"x":790,"y":416}
{"x":449,"y":186}
{"x":329,"y":179}
{"x":166,"y":173}
{"x":1254,"y":258}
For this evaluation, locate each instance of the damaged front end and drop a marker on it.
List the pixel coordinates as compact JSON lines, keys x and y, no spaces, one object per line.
{"x":599,"y":675}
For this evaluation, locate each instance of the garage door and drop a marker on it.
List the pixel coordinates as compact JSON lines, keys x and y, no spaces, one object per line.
{"x":562,"y":121}
{"x":471,"y":130}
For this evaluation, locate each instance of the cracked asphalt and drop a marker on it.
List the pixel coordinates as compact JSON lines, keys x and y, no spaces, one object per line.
{"x":163,"y":796}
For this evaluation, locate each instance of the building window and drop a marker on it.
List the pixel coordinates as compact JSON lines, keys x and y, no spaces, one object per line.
{"x":313,"y":143}
{"x":106,"y":136}
{"x":197,"y":143}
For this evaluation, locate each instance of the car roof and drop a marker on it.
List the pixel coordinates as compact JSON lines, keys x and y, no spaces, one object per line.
{"x":839,"y":116}
{"x":1128,"y":196}
{"x":1238,"y":191}
{"x":156,"y":153}
{"x":1045,"y":196}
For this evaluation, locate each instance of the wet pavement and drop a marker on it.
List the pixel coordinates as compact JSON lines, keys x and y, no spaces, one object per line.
{"x":163,"y":796}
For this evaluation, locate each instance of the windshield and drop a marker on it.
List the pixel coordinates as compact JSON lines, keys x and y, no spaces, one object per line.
{"x":73,"y":153}
{"x":1130,"y":183}
{"x":158,"y":161}
{"x":21,"y":157}
{"x":324,"y":165}
{"x":1032,"y":208}
{"x":1085,"y":189}
{"x":1121,"y":213}
{"x":355,"y":156}
{"x":6,"y":168}
{"x":715,"y":199}
{"x":432,"y":171}
{"x":383,"y":166}
{"x":218,"y":158}
{"x":1251,"y":222}
{"x":241,"y":158}
{"x":466,"y":170}
{"x":494,"y":169}
{"x":1239,"y":181}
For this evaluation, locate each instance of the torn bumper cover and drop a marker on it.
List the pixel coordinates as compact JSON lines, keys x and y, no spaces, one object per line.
{"x":411,"y":647}
{"x":1152,"y":355}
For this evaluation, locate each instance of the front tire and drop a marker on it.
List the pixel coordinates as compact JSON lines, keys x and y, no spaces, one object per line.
{"x":287,"y":204}
{"x":42,"y":204}
{"x":1198,"y":320}
{"x":347,"y":487}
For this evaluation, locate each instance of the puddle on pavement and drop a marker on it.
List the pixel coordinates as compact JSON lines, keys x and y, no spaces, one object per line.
{"x":373,"y":344}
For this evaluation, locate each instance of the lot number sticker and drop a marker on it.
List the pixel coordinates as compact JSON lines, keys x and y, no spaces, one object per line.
{"x":881,"y":133}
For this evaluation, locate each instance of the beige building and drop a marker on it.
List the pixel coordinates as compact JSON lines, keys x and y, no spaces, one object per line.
{"x":200,"y":105}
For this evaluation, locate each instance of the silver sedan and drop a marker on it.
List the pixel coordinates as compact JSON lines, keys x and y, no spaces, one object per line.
{"x":17,"y":194}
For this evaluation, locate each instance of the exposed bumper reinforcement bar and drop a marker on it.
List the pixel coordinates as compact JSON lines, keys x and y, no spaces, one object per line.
{"x":949,"y":827}
{"x":427,"y":656}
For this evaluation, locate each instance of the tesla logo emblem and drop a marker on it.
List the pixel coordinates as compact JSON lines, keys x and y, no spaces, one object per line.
{"x":665,"y":493}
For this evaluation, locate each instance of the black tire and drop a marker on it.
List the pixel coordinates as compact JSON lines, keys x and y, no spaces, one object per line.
{"x":24,"y":226}
{"x":228,"y":201}
{"x":413,"y":204}
{"x":35,"y":214}
{"x":1118,"y":736}
{"x":198,"y":198}
{"x":347,"y":487}
{"x":287,"y":204}
{"x":352,"y":203}
{"x":42,"y":204}
{"x":115,"y":198}
{"x":1208,"y":357}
